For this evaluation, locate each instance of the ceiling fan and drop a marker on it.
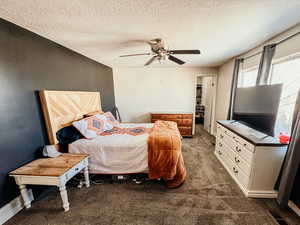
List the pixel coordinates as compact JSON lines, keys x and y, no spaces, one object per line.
{"x":160,"y":52}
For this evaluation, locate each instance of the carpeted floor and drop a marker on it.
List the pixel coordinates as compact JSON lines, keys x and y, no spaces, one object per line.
{"x":208,"y":197}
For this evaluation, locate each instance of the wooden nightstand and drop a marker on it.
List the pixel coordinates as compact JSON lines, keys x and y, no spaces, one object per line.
{"x":51,"y":171}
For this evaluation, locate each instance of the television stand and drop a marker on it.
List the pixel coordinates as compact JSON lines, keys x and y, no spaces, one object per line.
{"x":253,"y":159}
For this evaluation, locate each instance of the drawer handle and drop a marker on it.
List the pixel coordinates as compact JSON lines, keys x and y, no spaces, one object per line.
{"x":220,"y":144}
{"x":221,"y":136}
{"x":238,"y":149}
{"x":76,"y":169}
{"x":236,"y":160}
{"x":245,"y":145}
{"x":220,"y":153}
{"x":235,"y":170}
{"x":233,"y":137}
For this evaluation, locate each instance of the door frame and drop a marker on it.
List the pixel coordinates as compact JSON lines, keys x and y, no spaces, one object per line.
{"x":214,"y":97}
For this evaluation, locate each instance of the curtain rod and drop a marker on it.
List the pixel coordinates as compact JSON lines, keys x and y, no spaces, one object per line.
{"x":277,"y":43}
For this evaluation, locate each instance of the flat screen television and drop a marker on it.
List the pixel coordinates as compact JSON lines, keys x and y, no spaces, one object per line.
{"x":257,"y":106}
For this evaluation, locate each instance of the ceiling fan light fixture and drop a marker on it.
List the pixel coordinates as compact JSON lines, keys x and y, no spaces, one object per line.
{"x":160,"y":52}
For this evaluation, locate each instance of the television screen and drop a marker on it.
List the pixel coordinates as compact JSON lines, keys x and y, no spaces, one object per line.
{"x":258,"y":106}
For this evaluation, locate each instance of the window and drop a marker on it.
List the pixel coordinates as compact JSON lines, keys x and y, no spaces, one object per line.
{"x":286,"y":72}
{"x":247,"y":78}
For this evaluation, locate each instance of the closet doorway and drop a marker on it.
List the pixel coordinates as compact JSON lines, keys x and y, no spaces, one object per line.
{"x":206,"y":90}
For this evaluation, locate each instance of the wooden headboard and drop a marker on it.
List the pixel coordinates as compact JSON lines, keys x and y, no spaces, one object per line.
{"x":60,"y":108}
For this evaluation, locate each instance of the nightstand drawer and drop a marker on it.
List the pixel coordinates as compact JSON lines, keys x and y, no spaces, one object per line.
{"x":76,"y":169}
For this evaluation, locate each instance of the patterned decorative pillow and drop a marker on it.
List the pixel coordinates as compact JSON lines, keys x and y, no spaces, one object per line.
{"x":111,"y":119}
{"x":92,"y":126}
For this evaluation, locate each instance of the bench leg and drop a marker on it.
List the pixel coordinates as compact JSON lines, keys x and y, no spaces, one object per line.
{"x":25,"y":196}
{"x":64,"y":197}
{"x":86,"y":176}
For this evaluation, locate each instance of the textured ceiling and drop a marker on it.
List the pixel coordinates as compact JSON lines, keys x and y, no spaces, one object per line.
{"x":104,"y":29}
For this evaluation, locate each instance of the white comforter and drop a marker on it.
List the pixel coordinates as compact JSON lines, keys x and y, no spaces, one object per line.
{"x":117,"y":153}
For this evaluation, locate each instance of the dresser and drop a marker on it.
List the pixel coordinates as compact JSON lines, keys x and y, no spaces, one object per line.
{"x":184,"y":121}
{"x":252,"y":159}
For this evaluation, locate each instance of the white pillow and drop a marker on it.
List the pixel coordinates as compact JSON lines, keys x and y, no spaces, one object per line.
{"x":91,"y":126}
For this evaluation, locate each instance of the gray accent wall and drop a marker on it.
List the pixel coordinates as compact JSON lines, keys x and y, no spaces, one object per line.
{"x":29,"y":63}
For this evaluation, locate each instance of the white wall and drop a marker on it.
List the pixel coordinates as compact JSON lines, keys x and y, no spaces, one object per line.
{"x":140,"y":91}
{"x":292,"y":46}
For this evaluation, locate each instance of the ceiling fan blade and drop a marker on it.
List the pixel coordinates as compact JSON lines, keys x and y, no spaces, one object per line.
{"x":195,"y":51}
{"x":150,"y":60}
{"x":135,"y":54}
{"x":176,"y":60}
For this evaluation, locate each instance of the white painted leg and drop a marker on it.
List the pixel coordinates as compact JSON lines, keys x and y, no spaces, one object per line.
{"x":64,"y":197}
{"x":25,"y":196}
{"x":86,"y":176}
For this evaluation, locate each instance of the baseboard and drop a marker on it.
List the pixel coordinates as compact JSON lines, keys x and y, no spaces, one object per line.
{"x":262,"y":194}
{"x":294,"y":207}
{"x":13,"y":207}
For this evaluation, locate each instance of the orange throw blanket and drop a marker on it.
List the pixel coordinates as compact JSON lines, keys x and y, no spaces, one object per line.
{"x":164,"y":154}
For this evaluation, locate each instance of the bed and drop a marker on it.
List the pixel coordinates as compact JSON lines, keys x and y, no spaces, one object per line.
{"x":116,"y":153}
{"x":156,"y":151}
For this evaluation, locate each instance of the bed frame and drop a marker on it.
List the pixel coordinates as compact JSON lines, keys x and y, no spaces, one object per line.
{"x":61,"y":108}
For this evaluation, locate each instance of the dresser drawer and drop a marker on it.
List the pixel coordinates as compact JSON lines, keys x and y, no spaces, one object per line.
{"x":220,"y":133}
{"x":245,"y":143}
{"x":228,"y":139}
{"x":235,"y":171}
{"x":178,"y":121}
{"x":170,"y":116}
{"x":155,"y":116}
{"x":243,"y":152}
{"x":220,"y":152}
{"x":185,"y":130}
{"x":236,"y":146}
{"x":166,"y":116}
{"x":224,"y":131}
{"x":171,"y":119}
{"x":185,"y":122}
{"x":220,"y":147}
{"x":225,"y":154}
{"x":187,"y":116}
{"x":239,"y":162}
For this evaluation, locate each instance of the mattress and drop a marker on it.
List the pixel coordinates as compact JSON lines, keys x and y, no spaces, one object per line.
{"x":116,"y":153}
